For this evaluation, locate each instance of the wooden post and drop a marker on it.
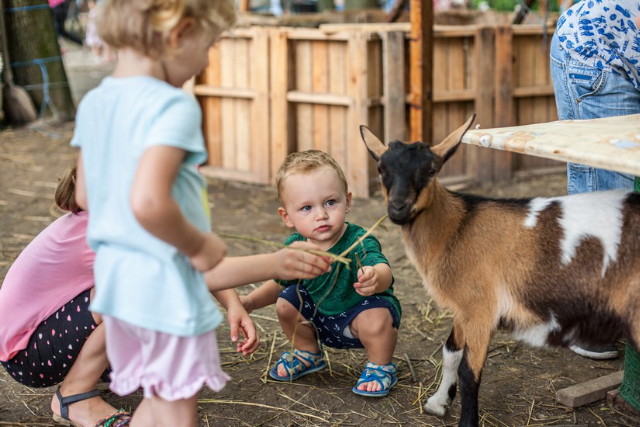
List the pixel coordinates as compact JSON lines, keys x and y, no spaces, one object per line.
{"x":280,"y":85}
{"x":393,"y":83}
{"x":357,"y":169}
{"x":503,"y":167}
{"x":484,"y":102}
{"x":244,"y":5}
{"x":259,"y":126}
{"x":421,"y":71}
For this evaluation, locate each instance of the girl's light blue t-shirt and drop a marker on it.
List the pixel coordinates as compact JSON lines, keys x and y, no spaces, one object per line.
{"x":141,"y":279}
{"x":603,"y":34}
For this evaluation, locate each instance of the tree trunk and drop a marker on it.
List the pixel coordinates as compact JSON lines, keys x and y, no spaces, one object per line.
{"x":35,"y":55}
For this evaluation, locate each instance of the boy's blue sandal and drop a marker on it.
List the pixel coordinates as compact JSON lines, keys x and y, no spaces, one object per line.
{"x":294,"y":366}
{"x":385,"y":375}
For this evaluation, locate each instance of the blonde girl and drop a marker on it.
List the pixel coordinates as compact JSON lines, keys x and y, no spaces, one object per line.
{"x":140,"y":140}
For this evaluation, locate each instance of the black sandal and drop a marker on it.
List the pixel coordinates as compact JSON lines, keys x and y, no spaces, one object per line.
{"x":120,"y":418}
{"x":63,"y":418}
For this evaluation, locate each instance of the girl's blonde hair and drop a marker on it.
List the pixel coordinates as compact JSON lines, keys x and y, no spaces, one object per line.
{"x":144,"y":25}
{"x":305,"y":162}
{"x":65,"y":195}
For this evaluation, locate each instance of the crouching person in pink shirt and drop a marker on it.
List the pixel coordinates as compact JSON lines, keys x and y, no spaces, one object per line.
{"x":48,"y":336}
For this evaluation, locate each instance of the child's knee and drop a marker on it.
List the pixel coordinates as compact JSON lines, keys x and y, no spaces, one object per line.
{"x":373,"y":322}
{"x":285,"y":310}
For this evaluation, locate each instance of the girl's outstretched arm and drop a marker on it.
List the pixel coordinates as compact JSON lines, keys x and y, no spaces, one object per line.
{"x":285,"y":264}
{"x":156,"y":210}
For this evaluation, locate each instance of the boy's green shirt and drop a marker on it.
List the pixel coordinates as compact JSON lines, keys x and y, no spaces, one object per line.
{"x":333,"y":292}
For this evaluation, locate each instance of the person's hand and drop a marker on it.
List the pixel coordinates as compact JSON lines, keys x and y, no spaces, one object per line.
{"x":242,"y":330}
{"x":296,"y":264}
{"x":367,"y":281}
{"x":211,"y":252}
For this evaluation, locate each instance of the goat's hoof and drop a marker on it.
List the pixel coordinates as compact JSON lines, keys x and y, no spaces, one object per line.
{"x":436,"y":407}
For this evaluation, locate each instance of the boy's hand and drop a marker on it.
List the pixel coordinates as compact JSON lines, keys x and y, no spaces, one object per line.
{"x":296,"y":264}
{"x":367,"y":281}
{"x":211,"y":252}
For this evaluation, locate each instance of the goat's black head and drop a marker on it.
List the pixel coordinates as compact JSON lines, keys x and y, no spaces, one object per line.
{"x":407,"y":170}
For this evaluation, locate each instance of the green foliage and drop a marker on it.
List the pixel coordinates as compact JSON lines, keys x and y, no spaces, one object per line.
{"x":510,"y":5}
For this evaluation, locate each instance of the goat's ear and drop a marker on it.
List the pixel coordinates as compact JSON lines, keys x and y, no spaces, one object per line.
{"x":374,"y":145}
{"x":446,"y":148}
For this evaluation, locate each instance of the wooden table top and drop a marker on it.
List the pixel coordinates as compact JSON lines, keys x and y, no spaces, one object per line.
{"x":610,"y":143}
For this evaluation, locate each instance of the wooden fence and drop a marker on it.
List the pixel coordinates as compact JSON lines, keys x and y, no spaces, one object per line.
{"x":270,"y":91}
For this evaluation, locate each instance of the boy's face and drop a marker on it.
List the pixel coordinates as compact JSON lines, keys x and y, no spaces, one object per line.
{"x":315,"y":204}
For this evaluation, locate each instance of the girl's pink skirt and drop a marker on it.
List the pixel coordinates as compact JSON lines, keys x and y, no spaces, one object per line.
{"x":167,"y":366}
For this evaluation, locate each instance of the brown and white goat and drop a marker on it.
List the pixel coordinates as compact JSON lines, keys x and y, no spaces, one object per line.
{"x":554,"y":271}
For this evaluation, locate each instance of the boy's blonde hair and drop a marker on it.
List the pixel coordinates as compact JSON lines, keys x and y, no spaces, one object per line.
{"x":144,"y":25}
{"x":305,"y":162}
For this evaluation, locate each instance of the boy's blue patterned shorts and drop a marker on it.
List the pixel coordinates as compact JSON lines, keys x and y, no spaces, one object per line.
{"x":333,"y":331}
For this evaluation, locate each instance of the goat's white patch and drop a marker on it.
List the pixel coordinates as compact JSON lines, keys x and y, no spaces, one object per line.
{"x":597,"y":215}
{"x":537,"y":334}
{"x":437,"y":404}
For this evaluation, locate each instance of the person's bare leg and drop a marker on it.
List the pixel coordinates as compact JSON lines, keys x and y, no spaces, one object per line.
{"x":157,"y":412}
{"x":301,"y":335}
{"x":374,"y":328}
{"x":83,"y":377}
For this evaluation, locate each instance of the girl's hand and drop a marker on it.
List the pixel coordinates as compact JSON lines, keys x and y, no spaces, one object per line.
{"x":211,"y":252}
{"x":367,"y":281}
{"x":296,"y":264}
{"x":243,"y":330}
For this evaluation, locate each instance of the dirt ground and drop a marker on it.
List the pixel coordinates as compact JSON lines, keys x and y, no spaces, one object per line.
{"x":519,"y":382}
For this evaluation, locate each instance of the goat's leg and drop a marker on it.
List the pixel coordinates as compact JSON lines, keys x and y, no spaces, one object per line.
{"x":451,"y":357}
{"x":470,"y":372}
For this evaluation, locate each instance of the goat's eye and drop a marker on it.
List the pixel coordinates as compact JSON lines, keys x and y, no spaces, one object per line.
{"x":431,"y":172}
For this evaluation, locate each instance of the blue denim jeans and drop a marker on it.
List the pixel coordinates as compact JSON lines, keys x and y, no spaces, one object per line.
{"x":585,"y":92}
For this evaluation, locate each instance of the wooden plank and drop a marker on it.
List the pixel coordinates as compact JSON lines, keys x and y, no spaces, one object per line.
{"x":338,"y":127}
{"x":242,"y":107}
{"x":503,"y":161}
{"x":259,"y":126}
{"x":356,"y":168}
{"x":609,"y":143}
{"x":589,"y":391}
{"x":224,"y":92}
{"x":320,"y":84}
{"x":211,"y":110}
{"x":369,"y":27}
{"x":393,"y":86}
{"x":319,"y":98}
{"x":532,"y":91}
{"x":303,"y":82}
{"x":529,"y":29}
{"x":279,"y":82}
{"x":307,"y":34}
{"x":227,"y":107}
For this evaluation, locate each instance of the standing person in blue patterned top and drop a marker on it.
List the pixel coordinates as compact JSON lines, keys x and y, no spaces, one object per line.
{"x":349,"y":307}
{"x":595,"y":68}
